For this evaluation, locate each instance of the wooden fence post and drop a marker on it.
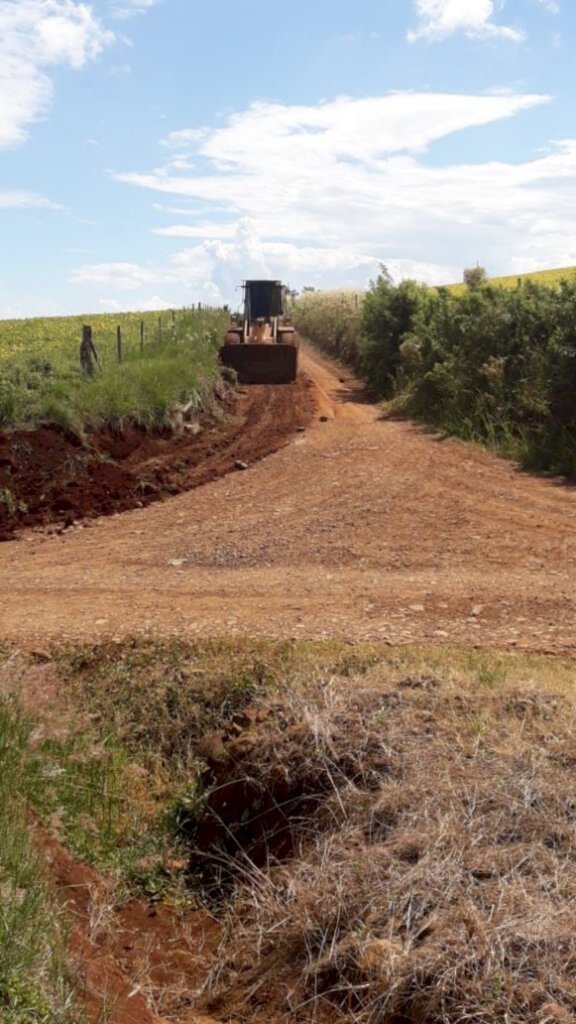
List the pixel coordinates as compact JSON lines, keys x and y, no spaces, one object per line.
{"x":88,"y":355}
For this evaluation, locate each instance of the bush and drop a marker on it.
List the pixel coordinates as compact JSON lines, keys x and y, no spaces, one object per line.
{"x":387,"y":320}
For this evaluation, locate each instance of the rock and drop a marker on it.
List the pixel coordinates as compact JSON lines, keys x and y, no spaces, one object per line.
{"x":177,"y":563}
{"x":241,"y":465}
{"x":477,"y":610}
{"x":323,"y":419}
{"x":416,"y":607}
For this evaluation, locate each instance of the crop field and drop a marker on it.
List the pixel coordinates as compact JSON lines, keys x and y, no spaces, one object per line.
{"x":60,"y":335}
{"x":165,"y":357}
{"x":552,"y":278}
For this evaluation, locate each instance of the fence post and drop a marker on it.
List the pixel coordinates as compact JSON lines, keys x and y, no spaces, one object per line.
{"x":119,"y":342}
{"x":88,"y":354}
{"x":141,"y":335}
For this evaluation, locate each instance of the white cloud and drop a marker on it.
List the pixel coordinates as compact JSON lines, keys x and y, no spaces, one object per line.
{"x":211,"y":271}
{"x":19,"y":199}
{"x":175,"y":140}
{"x":439,"y":19}
{"x":129,"y":8}
{"x":551,"y":5}
{"x":35,"y":35}
{"x":151,"y":303}
{"x":321,"y":195}
{"x":121,"y":276}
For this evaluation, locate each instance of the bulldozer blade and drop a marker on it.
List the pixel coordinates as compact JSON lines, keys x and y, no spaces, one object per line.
{"x":262,"y":364}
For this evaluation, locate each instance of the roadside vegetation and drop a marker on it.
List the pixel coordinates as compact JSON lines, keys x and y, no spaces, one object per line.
{"x":35,"y":986}
{"x":383,"y":835}
{"x":488,"y":363}
{"x":41,"y":378}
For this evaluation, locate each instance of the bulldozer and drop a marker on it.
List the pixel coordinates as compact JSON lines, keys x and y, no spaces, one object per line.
{"x":260,"y":343}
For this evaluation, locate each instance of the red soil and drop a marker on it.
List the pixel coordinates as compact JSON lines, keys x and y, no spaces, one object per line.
{"x":127,"y":959}
{"x":48,"y":475}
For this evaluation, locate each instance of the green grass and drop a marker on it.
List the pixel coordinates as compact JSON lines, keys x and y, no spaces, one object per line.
{"x":34,"y":988}
{"x":41,"y":379}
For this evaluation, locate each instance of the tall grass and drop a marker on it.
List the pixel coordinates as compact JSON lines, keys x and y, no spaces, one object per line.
{"x":46,"y":383}
{"x":333,"y":321}
{"x":33,"y":985}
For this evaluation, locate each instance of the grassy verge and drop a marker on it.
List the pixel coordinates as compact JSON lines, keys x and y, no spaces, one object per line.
{"x":42,"y":380}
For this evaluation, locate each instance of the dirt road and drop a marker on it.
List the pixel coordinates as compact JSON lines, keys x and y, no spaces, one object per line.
{"x":363,"y":527}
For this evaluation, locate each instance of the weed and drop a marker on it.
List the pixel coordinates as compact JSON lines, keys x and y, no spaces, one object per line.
{"x":490,"y":676}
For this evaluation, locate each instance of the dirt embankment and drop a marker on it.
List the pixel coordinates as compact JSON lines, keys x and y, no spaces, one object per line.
{"x":48,"y":475}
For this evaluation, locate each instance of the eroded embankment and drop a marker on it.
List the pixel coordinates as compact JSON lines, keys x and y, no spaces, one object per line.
{"x":49,"y":475}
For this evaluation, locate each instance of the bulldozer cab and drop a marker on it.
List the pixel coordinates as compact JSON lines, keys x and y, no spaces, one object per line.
{"x":262,"y":348}
{"x":263,"y":300}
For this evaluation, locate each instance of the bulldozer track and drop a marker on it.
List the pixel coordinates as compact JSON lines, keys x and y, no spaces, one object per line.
{"x":363,"y":527}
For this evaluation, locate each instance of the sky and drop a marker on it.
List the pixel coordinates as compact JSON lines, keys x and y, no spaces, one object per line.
{"x":154,"y":153}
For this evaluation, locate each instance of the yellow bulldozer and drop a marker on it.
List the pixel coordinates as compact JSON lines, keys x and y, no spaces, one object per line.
{"x":261,"y":343}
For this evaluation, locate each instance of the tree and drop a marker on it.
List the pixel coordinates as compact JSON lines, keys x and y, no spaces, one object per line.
{"x":475,"y":276}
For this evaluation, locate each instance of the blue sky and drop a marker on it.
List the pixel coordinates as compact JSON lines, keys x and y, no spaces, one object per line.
{"x":155,"y":152}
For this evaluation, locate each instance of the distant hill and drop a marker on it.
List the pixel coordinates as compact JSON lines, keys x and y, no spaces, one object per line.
{"x":549,"y":277}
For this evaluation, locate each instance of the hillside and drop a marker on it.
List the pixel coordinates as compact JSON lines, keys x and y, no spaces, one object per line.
{"x":548,"y":277}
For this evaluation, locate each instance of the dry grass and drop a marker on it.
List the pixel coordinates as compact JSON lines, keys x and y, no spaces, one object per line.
{"x":434,"y":881}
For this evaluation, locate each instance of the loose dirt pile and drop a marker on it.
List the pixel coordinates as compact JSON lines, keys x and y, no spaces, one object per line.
{"x":49,"y":475}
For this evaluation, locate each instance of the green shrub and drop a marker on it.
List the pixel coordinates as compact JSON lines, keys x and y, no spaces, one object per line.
{"x":489,"y":364}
